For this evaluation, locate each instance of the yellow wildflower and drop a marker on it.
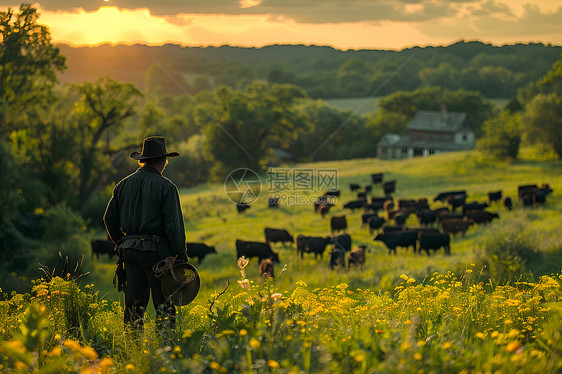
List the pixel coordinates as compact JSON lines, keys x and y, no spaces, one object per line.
{"x":273,"y":364}
{"x":513,"y":346}
{"x":254,"y":343}
{"x":214,"y":365}
{"x":418,"y":356}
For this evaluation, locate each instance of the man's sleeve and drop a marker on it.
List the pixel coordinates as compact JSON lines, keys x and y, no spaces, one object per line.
{"x":173,"y":222}
{"x":111,"y":219}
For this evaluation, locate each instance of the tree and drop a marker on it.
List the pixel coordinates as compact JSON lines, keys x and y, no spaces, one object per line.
{"x":101,"y":110}
{"x":28,"y":66}
{"x":502,"y":135}
{"x":544,"y":121}
{"x":241,"y":127}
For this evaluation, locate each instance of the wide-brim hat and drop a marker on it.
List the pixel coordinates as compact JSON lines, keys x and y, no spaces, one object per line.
{"x":153,"y":147}
{"x":180,"y":284}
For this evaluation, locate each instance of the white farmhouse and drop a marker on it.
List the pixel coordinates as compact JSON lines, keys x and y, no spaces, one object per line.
{"x":430,"y":132}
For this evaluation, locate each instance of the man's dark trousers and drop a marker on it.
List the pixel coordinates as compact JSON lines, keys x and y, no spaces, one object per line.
{"x":140,"y":283}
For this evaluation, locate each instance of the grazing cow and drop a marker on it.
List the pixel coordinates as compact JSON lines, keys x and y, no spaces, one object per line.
{"x":473,"y":206}
{"x":255,"y":249}
{"x":338,"y":223}
{"x":324,"y":209}
{"x":375,"y":223}
{"x":446,"y":216}
{"x":398,"y":239}
{"x":427,"y":217}
{"x":481,"y":216}
{"x":266,"y":268}
{"x":400,"y":218}
{"x":273,"y":202}
{"x":526,"y":189}
{"x":365,"y":217}
{"x":356,"y":257}
{"x":388,"y":205}
{"x":199,"y":250}
{"x":539,"y":197}
{"x":442,"y":196}
{"x":241,"y":207}
{"x":456,"y":201}
{"x":343,"y":241}
{"x":377,"y":203}
{"x":376,"y":178}
{"x":332,"y":193}
{"x":368,"y":189}
{"x":393,"y":228}
{"x":494,"y":196}
{"x":455,"y":225}
{"x":337,"y":258}
{"x":362,"y":195}
{"x":389,"y":187}
{"x":312,"y":244}
{"x":355,"y":204}
{"x":277,"y":235}
{"x":100,"y":247}
{"x":354,"y":187}
{"x":507,"y":203}
{"x":406,"y":203}
{"x":434,"y":241}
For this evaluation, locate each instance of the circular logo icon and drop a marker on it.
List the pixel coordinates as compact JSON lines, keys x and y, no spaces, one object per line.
{"x":242,"y":186}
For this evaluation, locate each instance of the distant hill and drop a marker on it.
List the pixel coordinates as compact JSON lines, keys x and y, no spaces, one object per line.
{"x":324,"y":72}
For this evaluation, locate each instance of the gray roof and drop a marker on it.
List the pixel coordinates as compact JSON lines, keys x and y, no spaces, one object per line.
{"x":438,"y":121}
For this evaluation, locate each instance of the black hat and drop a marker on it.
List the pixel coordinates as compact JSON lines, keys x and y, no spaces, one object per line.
{"x":180,"y":284}
{"x":153,"y":147}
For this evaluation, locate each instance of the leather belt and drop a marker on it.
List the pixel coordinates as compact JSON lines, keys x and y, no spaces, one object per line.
{"x":154,"y":238}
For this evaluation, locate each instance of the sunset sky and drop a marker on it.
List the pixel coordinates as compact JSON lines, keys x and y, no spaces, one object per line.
{"x":343,"y":24}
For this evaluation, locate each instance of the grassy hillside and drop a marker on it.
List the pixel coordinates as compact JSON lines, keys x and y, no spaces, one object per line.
{"x":212,"y":218}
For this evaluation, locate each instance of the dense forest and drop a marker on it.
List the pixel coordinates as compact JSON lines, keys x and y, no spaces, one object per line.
{"x":322,"y":72}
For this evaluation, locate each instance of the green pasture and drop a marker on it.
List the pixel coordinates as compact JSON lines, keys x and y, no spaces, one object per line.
{"x":212,"y":218}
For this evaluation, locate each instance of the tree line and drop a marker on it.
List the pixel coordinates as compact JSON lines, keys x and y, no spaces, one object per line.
{"x":63,"y":146}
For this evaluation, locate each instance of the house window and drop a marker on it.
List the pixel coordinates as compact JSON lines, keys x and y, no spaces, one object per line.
{"x":464,"y":137}
{"x":405,"y":151}
{"x":431,"y":151}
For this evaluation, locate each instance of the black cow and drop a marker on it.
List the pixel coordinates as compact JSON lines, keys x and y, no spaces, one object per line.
{"x":377,"y":178}
{"x":241,"y":207}
{"x":354,"y":187}
{"x":277,"y":235}
{"x":365,"y":217}
{"x":473,"y":206}
{"x":456,"y":201}
{"x":444,"y":216}
{"x":312,"y":244}
{"x":255,"y":249}
{"x":377,"y":203}
{"x":508,"y":203}
{"x":375,"y":223}
{"x":355,"y":204}
{"x":389,"y":187}
{"x":273,"y":202}
{"x":435,"y":241}
{"x":338,"y":223}
{"x":400,"y":218}
{"x":324,"y":209}
{"x":442,"y":196}
{"x":399,"y":239}
{"x":427,"y":217}
{"x":393,"y":228}
{"x":361,"y":195}
{"x":332,"y":193}
{"x":100,"y":247}
{"x":494,"y":196}
{"x":356,"y":257}
{"x":343,"y":241}
{"x":481,"y":216}
{"x":337,"y":258}
{"x":199,"y":250}
{"x":368,"y":189}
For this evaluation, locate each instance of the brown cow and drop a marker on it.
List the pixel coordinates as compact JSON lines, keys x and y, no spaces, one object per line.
{"x":455,"y":225}
{"x":266,"y":268}
{"x":356,"y":257}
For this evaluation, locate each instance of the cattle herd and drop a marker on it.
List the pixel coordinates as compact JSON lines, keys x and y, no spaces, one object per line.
{"x":384,"y":216}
